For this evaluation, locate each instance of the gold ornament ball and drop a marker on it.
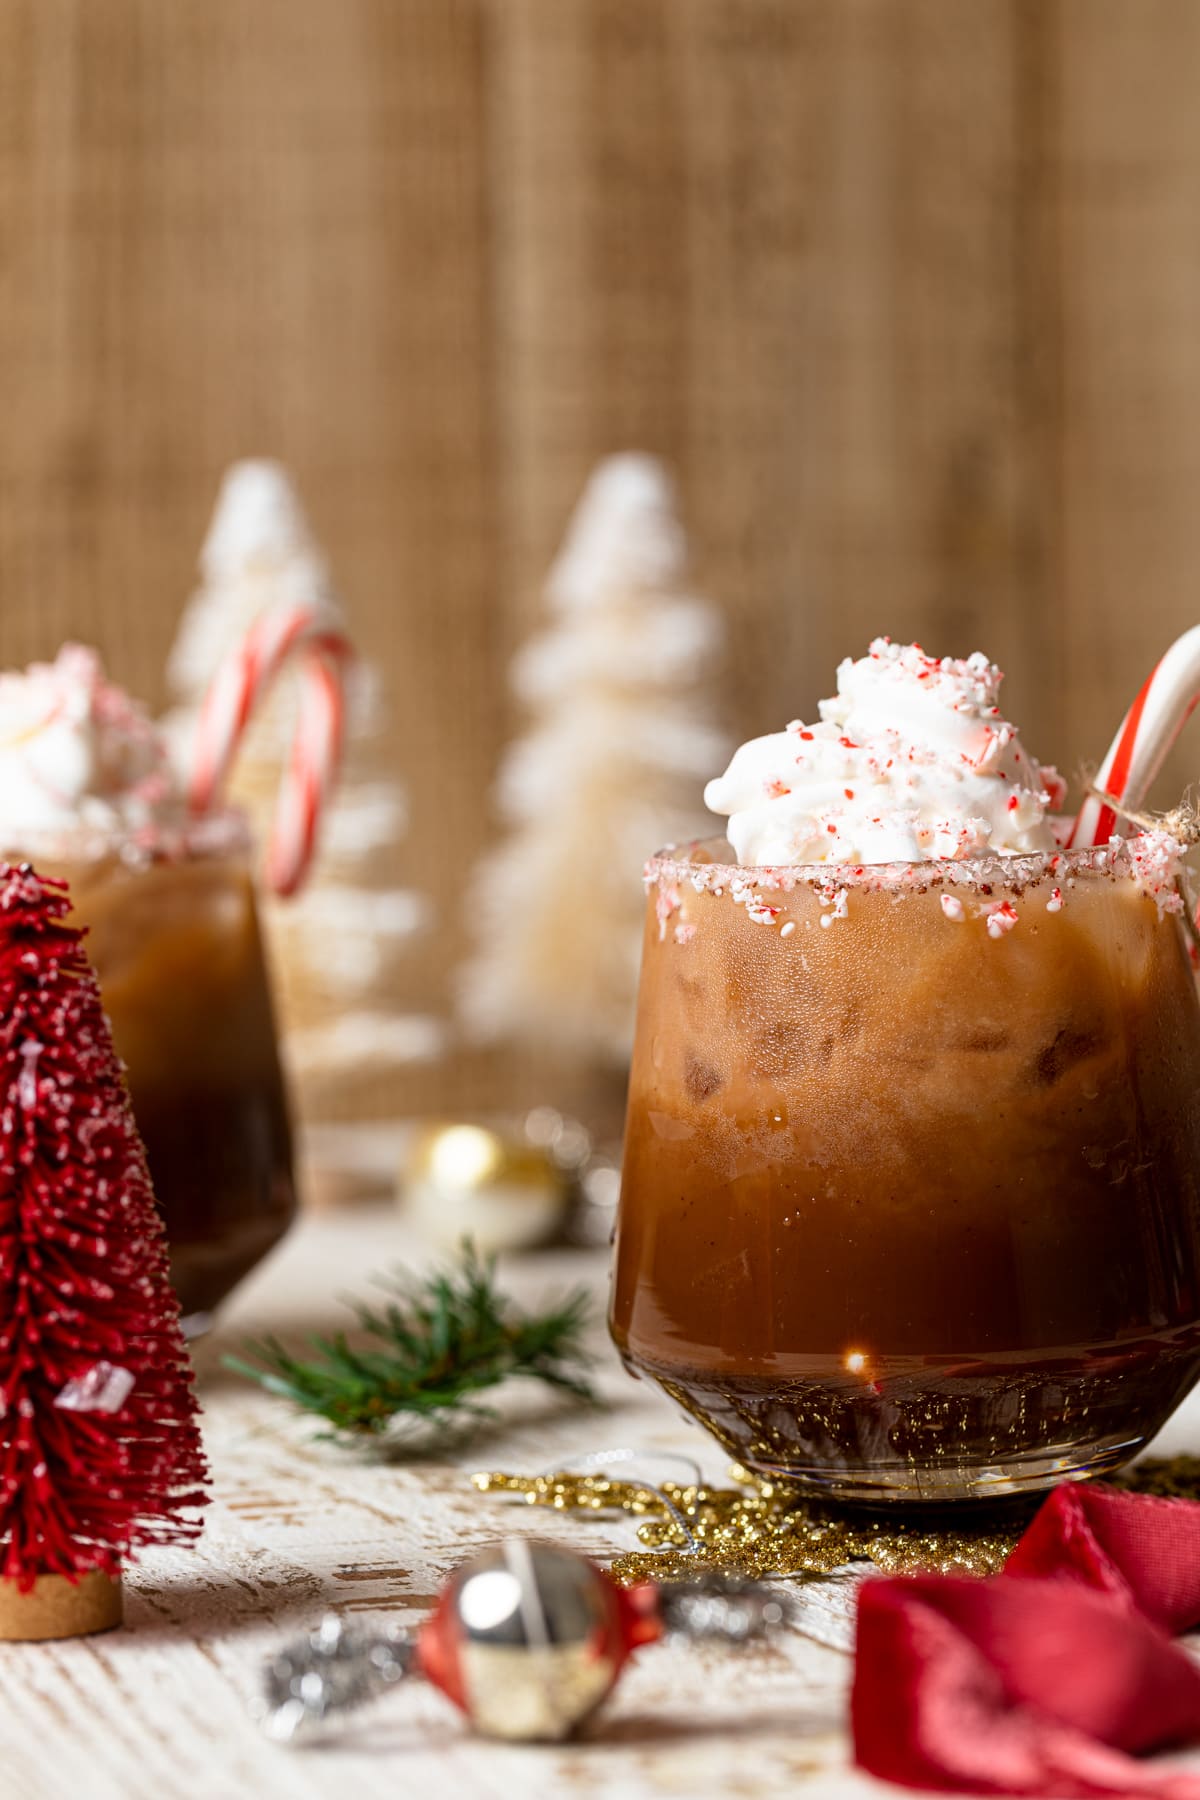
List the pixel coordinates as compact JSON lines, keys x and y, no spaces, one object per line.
{"x":471,"y":1181}
{"x":528,"y":1639}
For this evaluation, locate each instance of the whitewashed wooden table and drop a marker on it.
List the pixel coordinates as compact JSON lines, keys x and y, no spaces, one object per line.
{"x":159,"y":1709}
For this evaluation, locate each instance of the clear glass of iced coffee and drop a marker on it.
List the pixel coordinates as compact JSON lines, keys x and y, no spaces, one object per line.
{"x":169,"y":906}
{"x":176,"y":945}
{"x":911,"y":1192}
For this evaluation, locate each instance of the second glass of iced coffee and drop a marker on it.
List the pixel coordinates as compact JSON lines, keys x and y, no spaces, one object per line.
{"x":168,"y":903}
{"x":911,"y":1197}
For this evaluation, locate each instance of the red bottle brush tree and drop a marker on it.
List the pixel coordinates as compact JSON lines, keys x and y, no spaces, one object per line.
{"x":99,"y":1446}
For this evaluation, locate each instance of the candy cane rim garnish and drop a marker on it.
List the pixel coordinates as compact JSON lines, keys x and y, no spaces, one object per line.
{"x":1147,"y":732}
{"x":315,"y":751}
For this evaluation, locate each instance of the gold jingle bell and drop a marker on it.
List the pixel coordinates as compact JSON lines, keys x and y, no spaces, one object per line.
{"x":528,"y":1639}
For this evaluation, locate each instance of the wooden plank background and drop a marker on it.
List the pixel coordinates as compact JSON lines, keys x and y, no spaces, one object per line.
{"x":906,"y":291}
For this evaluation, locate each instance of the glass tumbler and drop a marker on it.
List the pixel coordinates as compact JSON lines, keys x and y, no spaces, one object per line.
{"x":911,"y":1194}
{"x":173,"y":934}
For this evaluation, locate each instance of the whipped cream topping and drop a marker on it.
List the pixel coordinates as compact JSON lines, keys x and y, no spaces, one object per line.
{"x":911,"y":761}
{"x":77,"y":755}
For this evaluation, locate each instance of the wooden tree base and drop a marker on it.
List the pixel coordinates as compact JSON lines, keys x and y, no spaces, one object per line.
{"x":57,"y":1608}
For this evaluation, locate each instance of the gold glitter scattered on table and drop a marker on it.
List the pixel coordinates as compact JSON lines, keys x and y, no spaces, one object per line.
{"x":763,"y":1528}
{"x":759,"y":1528}
{"x":1172,"y":1477}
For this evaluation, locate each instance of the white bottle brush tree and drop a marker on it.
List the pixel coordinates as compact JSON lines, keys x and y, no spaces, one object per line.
{"x":337,"y":948}
{"x":618,"y":686}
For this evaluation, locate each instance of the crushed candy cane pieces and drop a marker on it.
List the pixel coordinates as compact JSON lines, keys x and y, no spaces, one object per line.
{"x":1001,"y":919}
{"x":761,"y":913}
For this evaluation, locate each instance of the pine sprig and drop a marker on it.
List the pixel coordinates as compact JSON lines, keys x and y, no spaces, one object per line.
{"x":442,"y":1341}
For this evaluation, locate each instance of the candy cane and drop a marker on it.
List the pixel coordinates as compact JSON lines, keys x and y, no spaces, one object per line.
{"x":1147,"y":732}
{"x":315,"y":752}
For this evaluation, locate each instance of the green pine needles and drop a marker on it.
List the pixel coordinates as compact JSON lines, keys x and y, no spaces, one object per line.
{"x":436,"y":1345}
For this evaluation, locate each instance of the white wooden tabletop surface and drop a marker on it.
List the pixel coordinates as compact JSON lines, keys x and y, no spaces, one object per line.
{"x":159,"y":1709}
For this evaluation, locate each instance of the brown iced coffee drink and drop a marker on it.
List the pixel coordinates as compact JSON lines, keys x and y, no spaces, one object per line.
{"x":911,"y":1196}
{"x":169,"y":907}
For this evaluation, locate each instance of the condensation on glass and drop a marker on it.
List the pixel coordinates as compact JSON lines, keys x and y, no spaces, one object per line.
{"x":911,"y":1192}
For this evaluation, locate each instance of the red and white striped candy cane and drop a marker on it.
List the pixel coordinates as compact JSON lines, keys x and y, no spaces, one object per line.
{"x":315,"y":753}
{"x":1147,"y":732}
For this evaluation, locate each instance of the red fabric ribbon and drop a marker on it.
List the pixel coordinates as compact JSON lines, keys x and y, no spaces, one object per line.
{"x":1050,"y":1679}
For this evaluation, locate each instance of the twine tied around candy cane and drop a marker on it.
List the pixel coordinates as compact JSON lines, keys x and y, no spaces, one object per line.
{"x":1180,"y":822}
{"x":324,"y":655}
